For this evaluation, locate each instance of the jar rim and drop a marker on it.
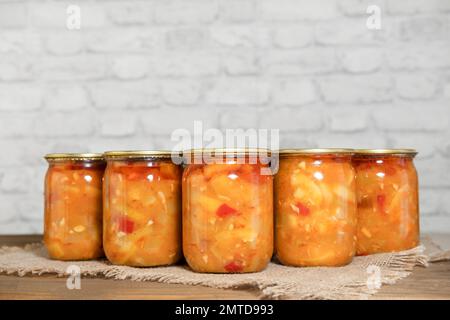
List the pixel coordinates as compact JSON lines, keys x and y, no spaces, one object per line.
{"x":137,"y":154}
{"x":381,"y":152}
{"x":74,"y":157}
{"x":316,"y":151}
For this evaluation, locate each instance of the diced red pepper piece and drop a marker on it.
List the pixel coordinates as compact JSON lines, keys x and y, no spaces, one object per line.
{"x":234,"y":266}
{"x":302,"y":209}
{"x":381,"y":201}
{"x":126,"y":225}
{"x":225,"y":210}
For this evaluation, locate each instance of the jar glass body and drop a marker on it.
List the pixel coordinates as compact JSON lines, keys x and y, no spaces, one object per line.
{"x":388,"y":203}
{"x":315,"y":210}
{"x":142,"y":212}
{"x":73,"y":209}
{"x":227,"y":216}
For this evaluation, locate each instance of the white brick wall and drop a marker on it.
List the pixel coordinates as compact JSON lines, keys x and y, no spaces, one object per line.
{"x":138,"y":69}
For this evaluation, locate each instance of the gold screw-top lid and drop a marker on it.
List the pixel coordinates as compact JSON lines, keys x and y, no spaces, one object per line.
{"x":318,"y":151}
{"x":144,"y":154}
{"x":387,"y":152}
{"x":74,"y":157}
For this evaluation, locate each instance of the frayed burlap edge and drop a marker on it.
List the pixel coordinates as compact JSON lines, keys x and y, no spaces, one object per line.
{"x":394,"y":266}
{"x":399,"y":266}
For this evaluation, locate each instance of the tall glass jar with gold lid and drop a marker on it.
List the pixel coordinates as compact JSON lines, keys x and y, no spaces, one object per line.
{"x":142,"y":208}
{"x":315,"y":207}
{"x":388,"y":200}
{"x":73,"y":206}
{"x":227,"y":210}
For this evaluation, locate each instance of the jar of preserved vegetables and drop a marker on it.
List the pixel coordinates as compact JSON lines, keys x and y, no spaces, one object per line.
{"x":142,"y":208}
{"x":227,"y":210}
{"x":388,"y":201}
{"x":315,"y":207}
{"x":73,"y":206}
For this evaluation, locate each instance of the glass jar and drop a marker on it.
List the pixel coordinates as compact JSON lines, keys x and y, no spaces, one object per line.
{"x":315,"y":207}
{"x":142,"y":208}
{"x":388,"y":201}
{"x":73,"y":206}
{"x":227,"y":211}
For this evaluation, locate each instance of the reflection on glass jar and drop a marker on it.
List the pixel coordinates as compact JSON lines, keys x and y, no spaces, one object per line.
{"x":142,"y":208}
{"x":73,"y":206}
{"x":387,"y":194}
{"x":227,"y":212}
{"x":315,"y":207}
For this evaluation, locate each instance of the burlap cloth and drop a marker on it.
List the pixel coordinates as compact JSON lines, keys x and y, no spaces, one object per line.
{"x":277,"y":281}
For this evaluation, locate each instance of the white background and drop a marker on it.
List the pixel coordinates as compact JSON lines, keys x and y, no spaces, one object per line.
{"x":136,"y":70}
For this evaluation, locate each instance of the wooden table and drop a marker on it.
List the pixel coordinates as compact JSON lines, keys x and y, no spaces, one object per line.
{"x":424,"y":283}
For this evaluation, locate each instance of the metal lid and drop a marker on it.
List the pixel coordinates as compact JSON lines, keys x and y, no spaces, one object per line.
{"x":74,"y":157}
{"x":145,"y":154}
{"x":322,"y":151}
{"x":382,"y":152}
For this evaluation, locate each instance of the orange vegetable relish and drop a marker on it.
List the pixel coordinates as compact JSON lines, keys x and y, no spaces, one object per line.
{"x":73,"y":206}
{"x":227,"y":212}
{"x":142,"y":209}
{"x":315,"y":207}
{"x":387,"y":194}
